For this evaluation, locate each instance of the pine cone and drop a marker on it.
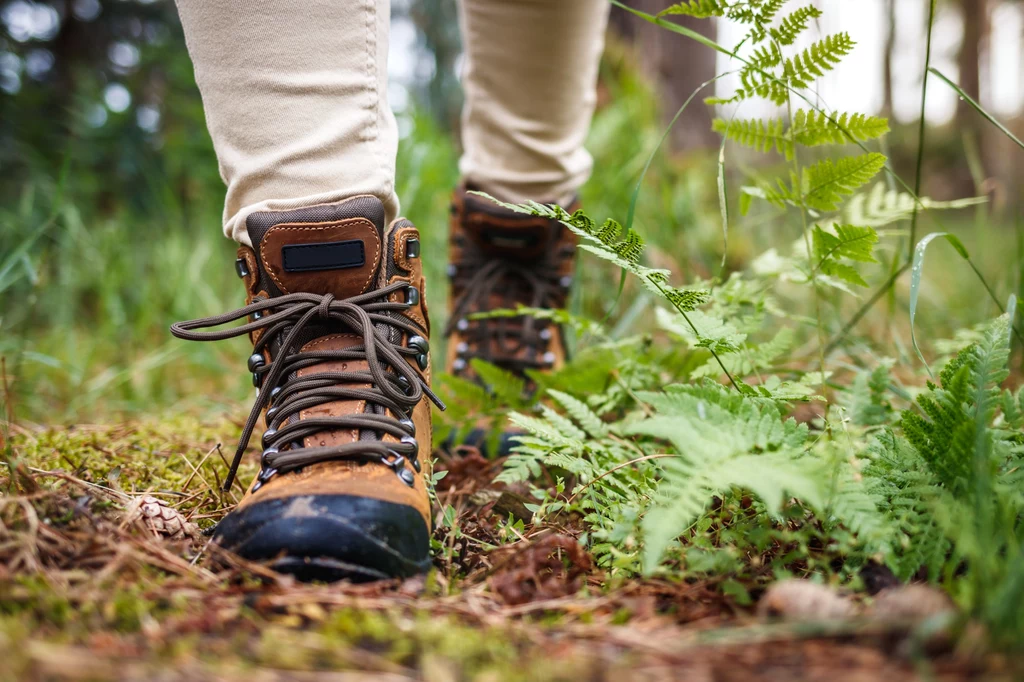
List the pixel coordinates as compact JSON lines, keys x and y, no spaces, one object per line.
{"x":162,"y":520}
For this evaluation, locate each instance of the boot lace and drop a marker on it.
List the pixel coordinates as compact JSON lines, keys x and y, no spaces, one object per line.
{"x":502,"y":340}
{"x":287,"y":322}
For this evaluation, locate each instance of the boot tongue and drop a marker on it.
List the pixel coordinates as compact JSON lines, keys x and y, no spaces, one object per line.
{"x":497,"y":231}
{"x":327,"y":249}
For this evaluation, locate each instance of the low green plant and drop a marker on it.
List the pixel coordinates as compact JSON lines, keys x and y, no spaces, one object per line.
{"x":781,"y":468}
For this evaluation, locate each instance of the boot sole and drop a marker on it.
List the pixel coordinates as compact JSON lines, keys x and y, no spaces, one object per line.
{"x":329,"y":537}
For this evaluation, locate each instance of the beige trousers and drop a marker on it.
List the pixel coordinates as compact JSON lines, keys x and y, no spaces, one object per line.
{"x":295,"y":94}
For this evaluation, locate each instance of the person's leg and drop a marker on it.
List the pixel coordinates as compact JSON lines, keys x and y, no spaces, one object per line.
{"x":530,"y":81}
{"x":295,"y":95}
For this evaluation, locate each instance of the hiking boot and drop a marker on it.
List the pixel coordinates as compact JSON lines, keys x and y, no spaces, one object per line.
{"x":499,"y":259}
{"x":341,"y":363}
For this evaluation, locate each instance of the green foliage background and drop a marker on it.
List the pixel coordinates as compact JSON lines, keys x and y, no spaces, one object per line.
{"x":720,"y":408}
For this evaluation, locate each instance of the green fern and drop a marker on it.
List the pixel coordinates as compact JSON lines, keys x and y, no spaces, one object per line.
{"x":850,"y":243}
{"x":881,"y":206}
{"x":741,"y":443}
{"x":607,"y":243}
{"x":866,"y":399}
{"x":700,"y":9}
{"x":810,"y":129}
{"x":793,"y":24}
{"x":823,"y":185}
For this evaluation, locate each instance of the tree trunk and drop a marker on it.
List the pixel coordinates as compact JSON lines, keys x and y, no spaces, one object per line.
{"x":678,"y":66}
{"x":975,"y":16}
{"x":890,"y":47}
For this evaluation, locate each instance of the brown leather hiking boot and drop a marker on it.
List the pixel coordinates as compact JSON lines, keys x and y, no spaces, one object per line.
{"x":499,"y":259}
{"x":341,"y":363}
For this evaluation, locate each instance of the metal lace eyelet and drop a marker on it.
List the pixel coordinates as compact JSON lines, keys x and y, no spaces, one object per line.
{"x":404,"y":384}
{"x":462,"y":347}
{"x":549,"y":358}
{"x":545,"y":334}
{"x":459,"y":364}
{"x":257,"y":381}
{"x":265,"y":457}
{"x":241,"y":268}
{"x":412,"y":295}
{"x":416,"y":465}
{"x":257,"y":314}
{"x":422,"y":348}
{"x":276,"y":392}
{"x":268,"y":436}
{"x":271,"y":412}
{"x":409,"y":425}
{"x":408,"y":477}
{"x":565,"y":282}
{"x":256,"y":360}
{"x":462,"y":325}
{"x":394,"y":460}
{"x":409,"y":440}
{"x":452,"y":270}
{"x":264,"y":476}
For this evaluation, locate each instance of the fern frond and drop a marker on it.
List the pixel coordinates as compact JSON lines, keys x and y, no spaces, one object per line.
{"x":793,"y":24}
{"x":751,"y":358}
{"x":798,"y":71}
{"x":809,"y":129}
{"x":849,"y":242}
{"x":813,"y":129}
{"x":578,"y":410}
{"x":765,"y":15}
{"x":815,"y":61}
{"x":763,"y":136}
{"x":824,"y":184}
{"x":880,"y":206}
{"x":700,"y":9}
{"x":723,"y":441}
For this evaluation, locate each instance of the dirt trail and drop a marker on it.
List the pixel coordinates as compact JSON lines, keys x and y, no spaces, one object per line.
{"x":105,"y":575}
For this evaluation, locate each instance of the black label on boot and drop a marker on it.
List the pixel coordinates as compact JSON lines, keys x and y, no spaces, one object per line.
{"x":323,"y":256}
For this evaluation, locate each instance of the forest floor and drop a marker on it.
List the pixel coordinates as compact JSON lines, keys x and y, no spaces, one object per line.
{"x":94,"y":586}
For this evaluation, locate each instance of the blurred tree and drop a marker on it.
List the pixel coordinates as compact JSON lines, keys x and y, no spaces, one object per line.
{"x":976,"y":31}
{"x":890,"y":47}
{"x":102,"y":85}
{"x":678,"y":66}
{"x":439,"y":91}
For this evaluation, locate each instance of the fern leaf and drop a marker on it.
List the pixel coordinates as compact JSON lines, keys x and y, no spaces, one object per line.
{"x":700,"y":9}
{"x":763,"y":136}
{"x":824,"y":184}
{"x":880,"y":206}
{"x":809,"y":129}
{"x":793,"y":24}
{"x":815,"y":61}
{"x":503,"y":385}
{"x":750,"y":358}
{"x":591,"y":423}
{"x":712,"y":332}
{"x":764,"y":16}
{"x":813,"y":129}
{"x":850,"y":242}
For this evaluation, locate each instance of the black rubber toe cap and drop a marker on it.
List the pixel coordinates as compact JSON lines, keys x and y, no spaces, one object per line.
{"x":330,"y":537}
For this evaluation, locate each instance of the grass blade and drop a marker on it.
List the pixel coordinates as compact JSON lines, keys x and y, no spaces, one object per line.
{"x":920,"y":133}
{"x":977,"y":107}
